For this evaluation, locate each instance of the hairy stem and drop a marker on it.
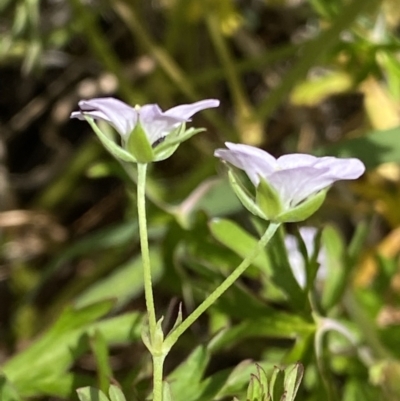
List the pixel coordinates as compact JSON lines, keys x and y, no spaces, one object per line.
{"x":174,"y":335}
{"x":144,"y":244}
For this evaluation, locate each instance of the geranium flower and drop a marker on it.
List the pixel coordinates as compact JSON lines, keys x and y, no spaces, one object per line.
{"x":143,"y":128}
{"x":289,"y":188}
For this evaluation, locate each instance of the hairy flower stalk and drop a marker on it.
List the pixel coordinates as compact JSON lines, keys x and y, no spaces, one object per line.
{"x":147,"y":133}
{"x":174,"y":335}
{"x":290,"y":188}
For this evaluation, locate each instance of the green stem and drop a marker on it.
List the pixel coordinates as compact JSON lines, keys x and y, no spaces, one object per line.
{"x":158,"y":363}
{"x":152,"y":193}
{"x":144,"y":244}
{"x":174,"y":335}
{"x":158,"y":360}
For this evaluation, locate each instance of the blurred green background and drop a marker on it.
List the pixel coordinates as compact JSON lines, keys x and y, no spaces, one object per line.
{"x":316,"y":76}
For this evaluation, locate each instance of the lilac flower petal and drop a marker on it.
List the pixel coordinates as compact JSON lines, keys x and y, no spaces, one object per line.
{"x":327,"y":171}
{"x":121,"y":116}
{"x":342,"y":169}
{"x":296,"y":160}
{"x":296,"y":259}
{"x":255,"y":162}
{"x":185,"y":111}
{"x":78,"y":115}
{"x":253,"y":152}
{"x":308,"y":235}
{"x":310,"y":187}
{"x":150,"y":112}
{"x":297,"y":184}
{"x":157,"y":124}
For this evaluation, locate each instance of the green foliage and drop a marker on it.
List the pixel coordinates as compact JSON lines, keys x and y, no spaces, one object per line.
{"x":320,"y":77}
{"x":38,"y":371}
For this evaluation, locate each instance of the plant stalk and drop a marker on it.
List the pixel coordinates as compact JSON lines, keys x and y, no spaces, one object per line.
{"x":175,"y":334}
{"x":144,"y":245}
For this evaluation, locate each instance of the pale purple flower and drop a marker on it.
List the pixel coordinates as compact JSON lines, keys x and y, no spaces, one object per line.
{"x":294,"y":177}
{"x":156,"y":123}
{"x":296,"y":259}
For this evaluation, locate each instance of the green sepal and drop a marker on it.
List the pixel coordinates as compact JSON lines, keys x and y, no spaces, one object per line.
{"x":254,"y":390}
{"x":244,"y":196}
{"x":166,"y":153}
{"x":304,"y":210}
{"x":178,"y":320}
{"x":262,"y":376}
{"x":146,"y":338}
{"x":7,"y":390}
{"x":154,"y":341}
{"x":293,"y":376}
{"x":172,"y":141}
{"x":115,"y":393}
{"x":157,"y":339}
{"x":109,"y":144}
{"x":167,"y":393}
{"x":91,"y":394}
{"x":277,"y":388}
{"x":268,"y":200}
{"x":139,"y":146}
